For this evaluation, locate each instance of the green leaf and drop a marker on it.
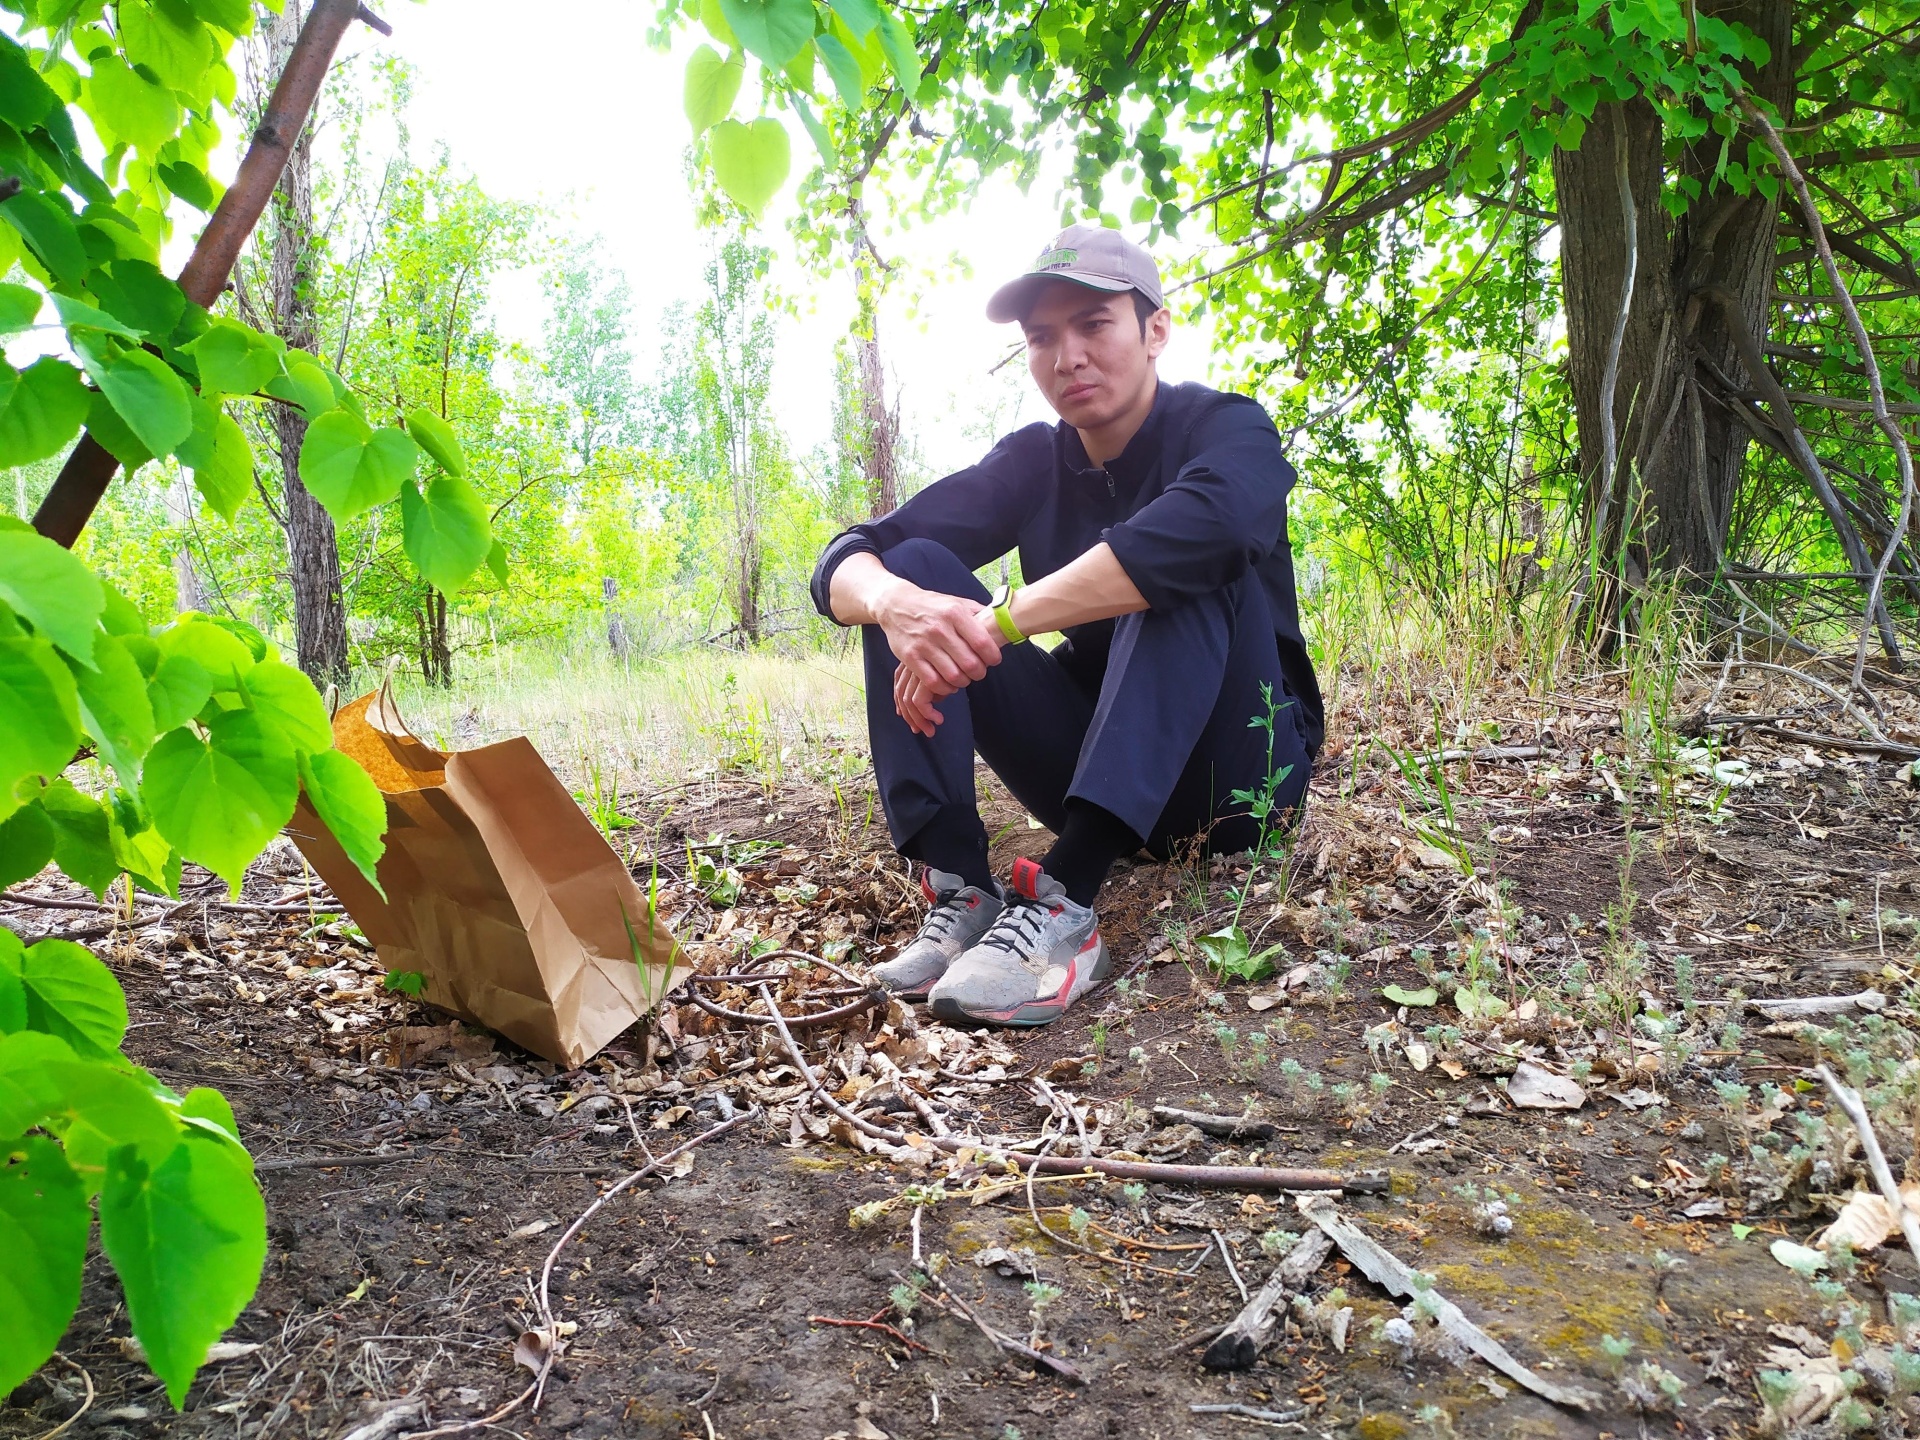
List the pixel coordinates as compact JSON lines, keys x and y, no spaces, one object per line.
{"x":351,"y":806}
{"x":26,"y":845}
{"x":843,"y":70}
{"x":750,"y":161}
{"x":436,"y":437}
{"x":497,"y":561}
{"x":115,"y":707}
{"x":25,"y":99}
{"x":31,"y":1064}
{"x":44,"y":1220}
{"x":861,"y":17}
{"x":114,"y":435}
{"x":1400,"y":995}
{"x":822,"y":140}
{"x":179,"y":687}
{"x":190,"y":183}
{"x":248,"y":635}
{"x":52,"y":589}
{"x":43,"y":412}
{"x":716,"y":24}
{"x":19,"y":308}
{"x":234,"y":359}
{"x":350,"y":468}
{"x":286,"y":701}
{"x":145,"y":854}
{"x":82,"y":844}
{"x":201,"y":1103}
{"x":154,"y":401}
{"x":221,"y":458}
{"x":168,"y":40}
{"x":79,"y":315}
{"x":50,"y":233}
{"x":233,"y":16}
{"x":129,"y":108}
{"x":897,"y":41}
{"x":445,"y":534}
{"x":772,"y":31}
{"x":711,"y":87}
{"x":42,"y":726}
{"x":1740,"y":1232}
{"x":220,"y":800}
{"x":222,"y":655}
{"x":135,"y":291}
{"x":73,"y":997}
{"x":304,"y":383}
{"x":188,"y":1239}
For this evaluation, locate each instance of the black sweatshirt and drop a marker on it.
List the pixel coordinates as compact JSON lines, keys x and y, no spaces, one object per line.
{"x":1198,"y":497}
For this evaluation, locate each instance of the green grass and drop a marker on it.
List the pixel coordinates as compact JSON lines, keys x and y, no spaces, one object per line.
{"x":619,"y":728}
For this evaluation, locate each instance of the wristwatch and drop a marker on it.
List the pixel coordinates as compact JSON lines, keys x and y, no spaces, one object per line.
{"x":1001,"y":601}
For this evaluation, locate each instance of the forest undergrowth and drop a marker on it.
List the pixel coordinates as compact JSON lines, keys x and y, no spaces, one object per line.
{"x":1538,"y":954}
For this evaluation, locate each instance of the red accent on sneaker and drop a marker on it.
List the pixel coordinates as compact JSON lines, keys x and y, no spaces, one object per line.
{"x":1026,"y":877}
{"x":1093,"y":942}
{"x":926,"y":888}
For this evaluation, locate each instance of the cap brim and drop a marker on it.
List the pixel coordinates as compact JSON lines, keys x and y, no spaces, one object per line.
{"x":1016,"y":297}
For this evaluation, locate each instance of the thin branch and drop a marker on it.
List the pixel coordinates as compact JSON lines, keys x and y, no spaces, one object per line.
{"x":1850,"y":1103}
{"x":1875,"y":390}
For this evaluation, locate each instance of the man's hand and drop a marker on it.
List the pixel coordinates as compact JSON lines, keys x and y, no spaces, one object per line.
{"x":941,"y":639}
{"x":913,"y":704}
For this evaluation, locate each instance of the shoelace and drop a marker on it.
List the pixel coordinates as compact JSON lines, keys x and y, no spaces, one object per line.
{"x":942,"y":918}
{"x":1018,"y":926}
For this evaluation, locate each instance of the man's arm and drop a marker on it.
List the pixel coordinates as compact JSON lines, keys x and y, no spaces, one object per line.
{"x":1093,"y":587}
{"x":940,"y":639}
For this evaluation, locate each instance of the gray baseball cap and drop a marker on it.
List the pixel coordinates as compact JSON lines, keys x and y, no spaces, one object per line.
{"x":1089,"y":255}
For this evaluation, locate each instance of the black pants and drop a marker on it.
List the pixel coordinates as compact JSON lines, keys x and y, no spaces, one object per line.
{"x":1161,"y":740}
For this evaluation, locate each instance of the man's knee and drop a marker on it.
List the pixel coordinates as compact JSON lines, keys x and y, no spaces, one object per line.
{"x":932,"y":566}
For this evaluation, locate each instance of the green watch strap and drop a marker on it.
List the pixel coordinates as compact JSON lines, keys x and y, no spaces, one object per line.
{"x":1003,"y":615}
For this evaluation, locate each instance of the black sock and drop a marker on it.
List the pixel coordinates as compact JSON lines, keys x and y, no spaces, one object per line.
{"x":1092,"y":840}
{"x":955,"y":840}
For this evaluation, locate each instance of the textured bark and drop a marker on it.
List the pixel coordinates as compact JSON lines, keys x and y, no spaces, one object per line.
{"x":313,"y":550}
{"x":436,"y":654}
{"x":1681,"y":444}
{"x":880,"y":426}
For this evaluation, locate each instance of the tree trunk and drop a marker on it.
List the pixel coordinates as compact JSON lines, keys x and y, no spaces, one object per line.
{"x":313,"y":550}
{"x":616,"y":626}
{"x":879,"y":425}
{"x":436,"y":655}
{"x":1700,"y":280}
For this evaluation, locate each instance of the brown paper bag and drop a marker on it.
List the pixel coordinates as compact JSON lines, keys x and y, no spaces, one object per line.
{"x":500,"y":891}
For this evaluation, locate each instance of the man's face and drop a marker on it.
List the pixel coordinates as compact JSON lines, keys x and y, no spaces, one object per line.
{"x":1087,"y":355}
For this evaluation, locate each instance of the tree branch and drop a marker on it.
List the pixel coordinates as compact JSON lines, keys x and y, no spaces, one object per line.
{"x":1903,"y":455}
{"x":89,"y":469}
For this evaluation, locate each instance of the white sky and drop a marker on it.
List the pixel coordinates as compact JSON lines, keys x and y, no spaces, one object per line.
{"x":594,"y":128}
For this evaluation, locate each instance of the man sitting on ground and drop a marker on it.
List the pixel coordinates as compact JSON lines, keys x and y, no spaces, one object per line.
{"x":1151,"y":525}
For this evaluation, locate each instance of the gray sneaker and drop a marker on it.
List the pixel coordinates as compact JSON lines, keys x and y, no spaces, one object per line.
{"x":958,"y":916}
{"x":1042,"y":954}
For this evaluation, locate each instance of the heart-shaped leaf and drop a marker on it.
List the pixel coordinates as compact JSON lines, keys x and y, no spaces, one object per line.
{"x":350,"y":467}
{"x":445,"y":533}
{"x":436,"y":437}
{"x":712,"y":84}
{"x":221,"y":799}
{"x":750,"y":161}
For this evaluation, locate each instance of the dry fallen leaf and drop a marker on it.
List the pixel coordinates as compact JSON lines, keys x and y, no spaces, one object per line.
{"x":1866,"y":1220}
{"x":1418,"y":1054}
{"x":1534,"y":1087}
{"x":1453,"y":1069}
{"x":531,"y":1228}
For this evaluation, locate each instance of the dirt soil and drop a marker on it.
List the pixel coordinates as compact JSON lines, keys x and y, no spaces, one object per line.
{"x":417,"y":1174}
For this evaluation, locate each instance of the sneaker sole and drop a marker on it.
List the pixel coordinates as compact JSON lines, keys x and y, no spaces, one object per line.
{"x":1029,"y":1014}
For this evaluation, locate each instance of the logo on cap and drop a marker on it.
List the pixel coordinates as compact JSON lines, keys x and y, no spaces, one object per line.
{"x":1055,"y":260}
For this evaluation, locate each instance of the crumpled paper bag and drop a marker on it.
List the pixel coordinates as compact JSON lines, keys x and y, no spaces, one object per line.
{"x":499,"y":890}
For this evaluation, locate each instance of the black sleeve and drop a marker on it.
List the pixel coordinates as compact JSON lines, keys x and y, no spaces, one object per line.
{"x":1223,"y":513}
{"x":976,"y":513}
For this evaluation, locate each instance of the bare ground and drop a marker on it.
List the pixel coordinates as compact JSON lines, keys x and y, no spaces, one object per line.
{"x":417,"y":1176}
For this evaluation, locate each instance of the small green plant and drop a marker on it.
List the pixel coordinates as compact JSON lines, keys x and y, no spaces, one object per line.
{"x":1135,"y":1192}
{"x":405,"y":982}
{"x":906,"y":1295}
{"x":1230,"y":951}
{"x":1228,"y":1040}
{"x":1097,"y":1038}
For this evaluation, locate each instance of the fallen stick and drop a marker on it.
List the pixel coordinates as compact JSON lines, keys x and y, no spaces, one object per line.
{"x":1039,"y":1359}
{"x":1841,"y":742}
{"x":880,"y":1325}
{"x":398,"y":1415}
{"x":1250,"y":1412}
{"x":328,"y":1162}
{"x":1848,"y":1099}
{"x":1869,"y":1000}
{"x":1217,"y":1177}
{"x":1239,"y":1345}
{"x":1386,"y":1270}
{"x":1227,"y":1127}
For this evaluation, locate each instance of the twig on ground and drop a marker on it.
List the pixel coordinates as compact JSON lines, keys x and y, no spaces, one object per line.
{"x":1849,"y":1101}
{"x":1224,"y":1177}
{"x":86,"y":1403}
{"x":398,"y":1415}
{"x":1047,"y":1093}
{"x":328,"y":1162}
{"x":1039,"y":1359}
{"x":880,"y":1325}
{"x":1233,"y":1271}
{"x":543,"y":1297}
{"x":1239,"y":1345}
{"x":1250,"y":1412}
{"x":1841,"y":742}
{"x":1385,"y":1269}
